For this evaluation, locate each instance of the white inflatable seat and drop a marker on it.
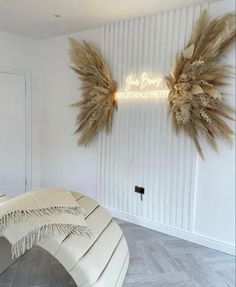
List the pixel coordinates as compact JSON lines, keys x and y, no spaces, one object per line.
{"x":99,"y":262}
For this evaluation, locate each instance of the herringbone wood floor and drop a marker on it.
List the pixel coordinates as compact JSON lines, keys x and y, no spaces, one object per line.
{"x":156,"y":260}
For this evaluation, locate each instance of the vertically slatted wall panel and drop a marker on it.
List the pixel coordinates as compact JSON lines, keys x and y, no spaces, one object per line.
{"x":143,"y":149}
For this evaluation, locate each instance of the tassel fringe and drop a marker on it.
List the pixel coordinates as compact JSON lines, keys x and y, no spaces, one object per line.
{"x":41,"y":234}
{"x":18,"y":215}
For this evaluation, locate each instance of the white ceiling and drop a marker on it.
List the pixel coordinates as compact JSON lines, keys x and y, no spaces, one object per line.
{"x":35,"y":18}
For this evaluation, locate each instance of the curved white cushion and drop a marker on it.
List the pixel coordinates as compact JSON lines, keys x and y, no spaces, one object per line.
{"x":99,"y":262}
{"x":4,"y":198}
{"x":97,"y":222}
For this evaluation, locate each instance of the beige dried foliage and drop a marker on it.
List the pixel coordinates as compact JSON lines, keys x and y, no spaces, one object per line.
{"x":98,"y":91}
{"x":195,"y":103}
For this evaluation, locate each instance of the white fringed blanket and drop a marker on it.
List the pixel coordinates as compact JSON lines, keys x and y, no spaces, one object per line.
{"x":35,"y":216}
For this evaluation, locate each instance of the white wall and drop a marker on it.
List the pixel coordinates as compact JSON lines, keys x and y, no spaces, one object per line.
{"x":62,"y":162}
{"x":215,"y":197}
{"x":20,"y":53}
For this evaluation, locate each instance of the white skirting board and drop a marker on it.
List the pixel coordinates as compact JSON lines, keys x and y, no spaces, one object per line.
{"x":173,"y":231}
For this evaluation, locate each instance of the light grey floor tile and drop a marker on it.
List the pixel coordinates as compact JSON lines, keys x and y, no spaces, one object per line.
{"x":228,"y":276}
{"x":34,"y":269}
{"x":59,"y":277}
{"x":134,"y":251}
{"x":158,"y":257}
{"x":200,"y":274}
{"x":7,"y":277}
{"x":219,"y":261}
{"x":178,"y":246}
{"x":161,"y":280}
{"x":137,"y":266}
{"x":142,"y":234}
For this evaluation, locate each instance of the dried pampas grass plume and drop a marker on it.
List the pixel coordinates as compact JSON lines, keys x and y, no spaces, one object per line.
{"x":195,"y":103}
{"x":98,"y":91}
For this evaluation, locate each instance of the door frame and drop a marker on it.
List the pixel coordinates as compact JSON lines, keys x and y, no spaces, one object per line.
{"x":28,"y":121}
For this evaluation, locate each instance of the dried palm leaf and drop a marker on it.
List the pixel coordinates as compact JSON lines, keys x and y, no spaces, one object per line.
{"x":195,"y":103}
{"x":98,"y":91}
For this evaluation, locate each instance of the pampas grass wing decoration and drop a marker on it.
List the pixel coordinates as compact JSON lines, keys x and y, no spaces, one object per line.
{"x":98,"y":91}
{"x":195,"y":103}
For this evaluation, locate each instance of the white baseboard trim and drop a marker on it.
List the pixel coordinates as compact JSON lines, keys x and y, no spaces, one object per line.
{"x":173,"y":231}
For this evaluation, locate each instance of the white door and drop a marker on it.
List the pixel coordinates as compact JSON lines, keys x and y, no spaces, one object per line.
{"x":12,"y":133}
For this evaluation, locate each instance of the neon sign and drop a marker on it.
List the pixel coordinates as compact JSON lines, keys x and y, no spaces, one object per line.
{"x":142,"y":83}
{"x":142,"y":87}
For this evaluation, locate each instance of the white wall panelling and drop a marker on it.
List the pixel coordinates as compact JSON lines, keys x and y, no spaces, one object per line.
{"x":143,"y":149}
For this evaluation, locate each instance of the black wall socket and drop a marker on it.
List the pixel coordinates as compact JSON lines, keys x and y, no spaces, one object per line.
{"x":139,"y":190}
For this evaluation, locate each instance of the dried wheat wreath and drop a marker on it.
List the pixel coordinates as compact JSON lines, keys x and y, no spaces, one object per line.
{"x":195,"y":103}
{"x":98,"y":91}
